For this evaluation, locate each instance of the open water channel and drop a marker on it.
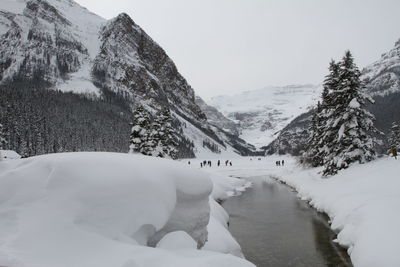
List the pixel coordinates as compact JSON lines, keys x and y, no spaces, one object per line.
{"x":275,"y":228}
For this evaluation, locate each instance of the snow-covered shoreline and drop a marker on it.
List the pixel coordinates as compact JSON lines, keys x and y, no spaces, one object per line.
{"x":105,"y":209}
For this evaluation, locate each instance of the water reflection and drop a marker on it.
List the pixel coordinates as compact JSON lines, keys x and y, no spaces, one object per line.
{"x":275,"y":228}
{"x":324,"y":244}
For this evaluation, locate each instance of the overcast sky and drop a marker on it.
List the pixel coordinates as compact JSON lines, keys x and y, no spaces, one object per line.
{"x":229,"y":46}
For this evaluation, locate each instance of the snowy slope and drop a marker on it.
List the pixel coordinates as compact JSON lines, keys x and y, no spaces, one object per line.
{"x":83,"y":24}
{"x":383,"y":76}
{"x":261,"y":114}
{"x":67,"y":33}
{"x":110,"y":209}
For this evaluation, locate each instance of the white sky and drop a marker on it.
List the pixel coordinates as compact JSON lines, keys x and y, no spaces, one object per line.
{"x":229,"y":46}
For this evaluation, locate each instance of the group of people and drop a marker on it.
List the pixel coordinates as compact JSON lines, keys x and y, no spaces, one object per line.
{"x":280,"y":163}
{"x":209,"y":163}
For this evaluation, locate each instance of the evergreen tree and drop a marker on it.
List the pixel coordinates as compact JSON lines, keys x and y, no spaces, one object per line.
{"x":3,"y":141}
{"x":163,"y":135}
{"x":327,"y":111}
{"x":139,"y":139}
{"x":312,"y":155}
{"x":394,"y":136}
{"x":153,"y":138}
{"x":348,"y":124}
{"x":319,"y":136}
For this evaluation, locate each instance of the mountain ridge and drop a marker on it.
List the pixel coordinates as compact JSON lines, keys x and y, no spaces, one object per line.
{"x":60,"y":45}
{"x":260,"y":114}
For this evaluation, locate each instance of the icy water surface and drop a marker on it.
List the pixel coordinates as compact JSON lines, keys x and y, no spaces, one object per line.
{"x":275,"y":228}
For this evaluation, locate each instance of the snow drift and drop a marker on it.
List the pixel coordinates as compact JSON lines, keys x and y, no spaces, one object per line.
{"x":105,"y":209}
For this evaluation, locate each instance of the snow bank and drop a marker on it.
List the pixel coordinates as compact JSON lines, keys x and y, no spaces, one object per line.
{"x":362,"y":202}
{"x":225,"y":186}
{"x":219,"y":238}
{"x":102,"y":209}
{"x":9,"y":154}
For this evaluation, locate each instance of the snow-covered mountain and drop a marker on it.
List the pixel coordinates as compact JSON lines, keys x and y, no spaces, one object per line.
{"x":261,"y":114}
{"x":383,"y":76}
{"x":60,"y":45}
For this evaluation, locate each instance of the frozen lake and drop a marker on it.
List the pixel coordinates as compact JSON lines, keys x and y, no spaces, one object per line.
{"x":275,"y":228}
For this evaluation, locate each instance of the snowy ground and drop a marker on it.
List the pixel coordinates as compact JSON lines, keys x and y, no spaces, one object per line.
{"x":110,"y":209}
{"x":362,"y":202}
{"x":101,"y":209}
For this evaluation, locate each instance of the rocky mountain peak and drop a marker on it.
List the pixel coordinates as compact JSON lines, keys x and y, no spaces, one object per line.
{"x":42,"y":9}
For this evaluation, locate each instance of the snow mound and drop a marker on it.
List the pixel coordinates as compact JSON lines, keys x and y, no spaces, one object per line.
{"x":219,"y":238}
{"x":103,"y":209}
{"x":176,"y":240}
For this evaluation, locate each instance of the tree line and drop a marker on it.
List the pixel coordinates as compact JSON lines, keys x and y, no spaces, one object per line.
{"x":39,"y":121}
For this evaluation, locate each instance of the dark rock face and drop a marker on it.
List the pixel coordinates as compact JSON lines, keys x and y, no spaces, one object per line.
{"x":147,"y":72}
{"x":42,"y":9}
{"x":216,"y":118}
{"x":292,"y":139}
{"x":35,"y":50}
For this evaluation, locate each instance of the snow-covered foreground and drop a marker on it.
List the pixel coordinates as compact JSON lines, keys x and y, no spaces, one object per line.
{"x":362,"y":202}
{"x":104,"y":209}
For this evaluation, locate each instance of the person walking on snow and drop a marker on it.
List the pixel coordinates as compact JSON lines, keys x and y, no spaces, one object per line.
{"x":393,"y":150}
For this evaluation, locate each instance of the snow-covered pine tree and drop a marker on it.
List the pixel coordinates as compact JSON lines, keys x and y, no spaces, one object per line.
{"x":139,"y":138}
{"x":348,"y":121}
{"x":394,"y":136}
{"x":319,"y":136}
{"x":3,"y":141}
{"x":163,"y":135}
{"x":311,"y":155}
{"x":153,"y":142}
{"x":327,"y":110}
{"x":153,"y":138}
